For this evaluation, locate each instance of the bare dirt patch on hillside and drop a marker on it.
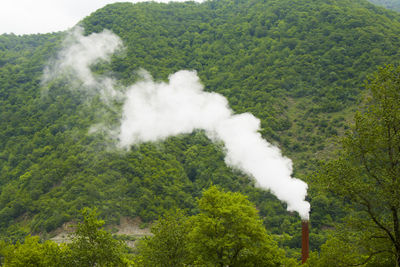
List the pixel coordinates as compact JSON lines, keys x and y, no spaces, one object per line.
{"x":128,"y":230}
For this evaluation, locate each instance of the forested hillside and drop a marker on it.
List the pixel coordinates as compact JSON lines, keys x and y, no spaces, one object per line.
{"x":316,"y":53}
{"x":299,"y":66}
{"x":390,"y":4}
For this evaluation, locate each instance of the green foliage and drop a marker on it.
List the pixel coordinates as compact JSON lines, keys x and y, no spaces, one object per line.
{"x":32,"y":253}
{"x":168,"y":245}
{"x":390,"y":4}
{"x":293,"y":64}
{"x":342,"y":249}
{"x":91,"y":245}
{"x":297,"y":65}
{"x":366,"y":172}
{"x":226,"y":232}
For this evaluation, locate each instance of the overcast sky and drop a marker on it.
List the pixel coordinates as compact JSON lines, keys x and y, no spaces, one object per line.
{"x":42,"y":16}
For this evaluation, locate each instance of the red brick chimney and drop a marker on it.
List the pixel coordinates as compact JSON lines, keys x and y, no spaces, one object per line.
{"x":304,"y":241}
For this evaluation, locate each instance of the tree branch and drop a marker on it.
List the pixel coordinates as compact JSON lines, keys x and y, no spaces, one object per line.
{"x":364,"y":162}
{"x":377,"y":237}
{"x":370,"y":257}
{"x":396,"y":228}
{"x":375,"y":220}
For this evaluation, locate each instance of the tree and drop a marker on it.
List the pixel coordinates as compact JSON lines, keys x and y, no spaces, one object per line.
{"x":167,"y":246}
{"x":32,"y":253}
{"x":342,"y":250}
{"x":229,"y":232}
{"x":367,"y":171}
{"x":226,"y":232}
{"x":93,"y":246}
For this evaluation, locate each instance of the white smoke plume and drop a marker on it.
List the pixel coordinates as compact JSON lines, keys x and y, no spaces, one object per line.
{"x":153,"y":111}
{"x":81,"y":52}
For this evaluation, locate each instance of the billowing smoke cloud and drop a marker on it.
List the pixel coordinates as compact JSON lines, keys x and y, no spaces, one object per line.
{"x":153,"y":111}
{"x":80,"y":52}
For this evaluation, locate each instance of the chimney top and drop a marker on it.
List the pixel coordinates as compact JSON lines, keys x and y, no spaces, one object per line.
{"x":304,"y":241}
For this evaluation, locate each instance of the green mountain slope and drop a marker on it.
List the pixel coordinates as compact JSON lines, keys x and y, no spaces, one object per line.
{"x":317,"y":52}
{"x":390,"y":4}
{"x":296,"y":65}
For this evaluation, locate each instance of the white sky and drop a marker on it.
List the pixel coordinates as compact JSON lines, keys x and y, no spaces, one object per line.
{"x":42,"y":16}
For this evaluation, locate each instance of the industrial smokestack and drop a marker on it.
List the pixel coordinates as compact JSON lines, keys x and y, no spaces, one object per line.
{"x":304,"y":241}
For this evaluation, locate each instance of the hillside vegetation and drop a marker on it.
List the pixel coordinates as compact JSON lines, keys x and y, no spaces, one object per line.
{"x":390,"y":4}
{"x":299,"y":66}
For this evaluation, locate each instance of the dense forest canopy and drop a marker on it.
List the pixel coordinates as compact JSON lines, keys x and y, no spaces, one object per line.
{"x":298,"y":66}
